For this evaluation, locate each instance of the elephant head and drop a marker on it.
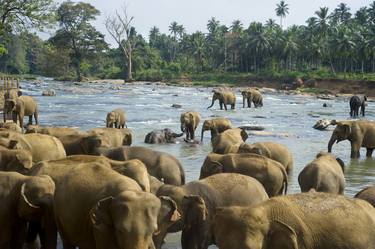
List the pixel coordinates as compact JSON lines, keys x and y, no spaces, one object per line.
{"x":112,"y":117}
{"x":217,"y":95}
{"x":245,"y":95}
{"x":195,"y":230}
{"x":36,"y":205}
{"x":187,"y":119}
{"x":257,"y":231}
{"x":210,"y":167}
{"x":170,"y":136}
{"x":125,"y":221}
{"x":339,"y":161}
{"x":207,"y":125}
{"x":168,"y":216}
{"x":90,"y":145}
{"x":10,"y":105}
{"x":342,"y":132}
{"x":19,"y":161}
{"x":249,"y":148}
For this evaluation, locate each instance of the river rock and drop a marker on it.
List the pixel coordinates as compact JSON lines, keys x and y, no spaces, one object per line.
{"x":327,"y":105}
{"x":252,"y":128}
{"x":176,"y":106}
{"x":270,"y":134}
{"x":49,"y":93}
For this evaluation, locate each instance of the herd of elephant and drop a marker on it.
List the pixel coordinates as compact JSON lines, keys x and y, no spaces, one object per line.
{"x":98,"y":192}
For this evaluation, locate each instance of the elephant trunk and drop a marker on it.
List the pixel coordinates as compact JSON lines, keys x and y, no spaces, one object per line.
{"x":203,"y":130}
{"x":244,"y":99}
{"x":331,"y":142}
{"x":177,"y":135}
{"x":212,"y":104}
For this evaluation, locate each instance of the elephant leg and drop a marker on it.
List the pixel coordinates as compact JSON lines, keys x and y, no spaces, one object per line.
{"x":14,"y":117}
{"x":30,"y":119}
{"x":369,"y":152}
{"x":355,"y":150}
{"x":36,"y":118}
{"x":20,"y":119}
{"x":249,"y":102}
{"x":192,"y":135}
{"x":363,"y":110}
{"x":232,"y":106}
{"x":221,"y":105}
{"x":19,"y":235}
{"x":225,"y":106}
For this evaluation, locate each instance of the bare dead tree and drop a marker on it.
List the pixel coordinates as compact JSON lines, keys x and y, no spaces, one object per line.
{"x":119,"y":27}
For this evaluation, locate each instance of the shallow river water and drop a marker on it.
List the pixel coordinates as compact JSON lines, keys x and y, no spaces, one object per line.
{"x":148,"y":107}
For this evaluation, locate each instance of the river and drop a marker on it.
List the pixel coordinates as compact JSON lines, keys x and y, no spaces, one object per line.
{"x":148,"y":107}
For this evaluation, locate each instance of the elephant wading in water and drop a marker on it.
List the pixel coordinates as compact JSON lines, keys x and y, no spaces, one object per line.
{"x":162,"y":136}
{"x":12,"y":94}
{"x":359,"y":133}
{"x":189,"y":123}
{"x":229,"y":141}
{"x":274,"y":151}
{"x":96,"y":207}
{"x":23,"y":106}
{"x":307,"y":220}
{"x":225,"y":98}
{"x":270,"y":173}
{"x":216,"y":126}
{"x":191,"y":207}
{"x":324,"y":174}
{"x":116,"y":118}
{"x":355,"y":103}
{"x":252,"y":95}
{"x":24,"y":199}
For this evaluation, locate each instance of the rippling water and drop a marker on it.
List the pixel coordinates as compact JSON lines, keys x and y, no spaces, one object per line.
{"x":148,"y":107}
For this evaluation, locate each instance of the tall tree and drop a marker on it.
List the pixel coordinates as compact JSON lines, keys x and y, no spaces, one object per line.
{"x":119,"y":26}
{"x":282,"y":9}
{"x":77,"y":34}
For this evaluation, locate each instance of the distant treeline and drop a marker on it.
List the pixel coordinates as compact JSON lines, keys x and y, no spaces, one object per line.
{"x":331,"y":42}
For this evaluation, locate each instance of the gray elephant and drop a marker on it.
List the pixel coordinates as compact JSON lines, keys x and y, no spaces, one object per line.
{"x":216,"y":126}
{"x":324,"y":174}
{"x":24,"y":199}
{"x":161,"y":165}
{"x":96,"y":207}
{"x":228,"y":141}
{"x":367,"y":194}
{"x":23,"y":106}
{"x":162,"y":136}
{"x":116,"y":118}
{"x":189,"y":123}
{"x":355,"y":103}
{"x":252,"y":95}
{"x":225,"y":98}
{"x":270,"y":173}
{"x":359,"y":133}
{"x":307,"y":220}
{"x":191,"y":207}
{"x":19,"y":161}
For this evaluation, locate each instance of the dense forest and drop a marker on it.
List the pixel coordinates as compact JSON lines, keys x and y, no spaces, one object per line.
{"x":331,"y":43}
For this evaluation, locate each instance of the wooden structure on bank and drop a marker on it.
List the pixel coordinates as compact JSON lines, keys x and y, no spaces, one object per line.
{"x":7,"y":84}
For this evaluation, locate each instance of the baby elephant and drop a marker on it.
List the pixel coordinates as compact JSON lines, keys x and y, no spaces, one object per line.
{"x":324,"y":174}
{"x":355,"y":103}
{"x":116,"y":118}
{"x":162,"y":136}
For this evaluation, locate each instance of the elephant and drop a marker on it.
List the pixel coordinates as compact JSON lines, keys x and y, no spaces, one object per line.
{"x":216,"y":126}
{"x":134,"y":169}
{"x":11,"y":94}
{"x":116,"y":118}
{"x":367,"y":194}
{"x":57,"y":132}
{"x":324,"y":174}
{"x":23,"y":106}
{"x":359,"y":133}
{"x":306,"y":220}
{"x":274,"y":151}
{"x":252,"y":95}
{"x":161,"y":165}
{"x":355,"y":103}
{"x":162,"y":136}
{"x":105,"y":209}
{"x":225,"y":98}
{"x":19,"y":161}
{"x":155,"y":184}
{"x":229,"y":141}
{"x":24,"y":199}
{"x":191,"y":207}
{"x":115,"y":136}
{"x":42,"y":147}
{"x":270,"y":173}
{"x":83,"y":144}
{"x":189,"y":123}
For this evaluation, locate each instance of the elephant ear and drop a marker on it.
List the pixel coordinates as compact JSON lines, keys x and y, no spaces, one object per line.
{"x":25,"y":159}
{"x":216,"y":168}
{"x":194,"y":210}
{"x":25,"y":206}
{"x":346,"y":129}
{"x":100,"y":214}
{"x":342,"y":164}
{"x":89,"y":143}
{"x":283,"y":235}
{"x":174,"y":215}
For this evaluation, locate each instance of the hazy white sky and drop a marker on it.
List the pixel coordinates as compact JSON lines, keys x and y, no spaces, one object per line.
{"x":194,"y":14}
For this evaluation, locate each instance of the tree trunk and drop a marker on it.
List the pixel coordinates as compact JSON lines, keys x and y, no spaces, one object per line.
{"x":129,"y":75}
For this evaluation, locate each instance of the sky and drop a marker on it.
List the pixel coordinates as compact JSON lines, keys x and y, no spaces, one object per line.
{"x":194,"y":14}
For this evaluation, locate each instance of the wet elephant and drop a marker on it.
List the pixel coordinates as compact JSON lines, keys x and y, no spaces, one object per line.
{"x":21,"y":107}
{"x":189,"y":123}
{"x":116,"y":119}
{"x":225,"y":98}
{"x":355,"y":103}
{"x":228,"y":141}
{"x":252,"y":95}
{"x":216,"y":126}
{"x":162,"y":136}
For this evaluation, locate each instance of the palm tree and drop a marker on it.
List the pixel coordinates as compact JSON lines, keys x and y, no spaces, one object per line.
{"x":282,"y":9}
{"x":153,"y":35}
{"x":237,"y":26}
{"x":341,"y":14}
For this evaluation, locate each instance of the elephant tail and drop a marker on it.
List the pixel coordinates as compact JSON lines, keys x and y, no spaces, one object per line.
{"x":284,"y":190}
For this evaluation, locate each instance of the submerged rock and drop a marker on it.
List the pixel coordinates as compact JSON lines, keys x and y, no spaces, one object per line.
{"x":252,"y":128}
{"x":176,"y":106}
{"x":49,"y":93}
